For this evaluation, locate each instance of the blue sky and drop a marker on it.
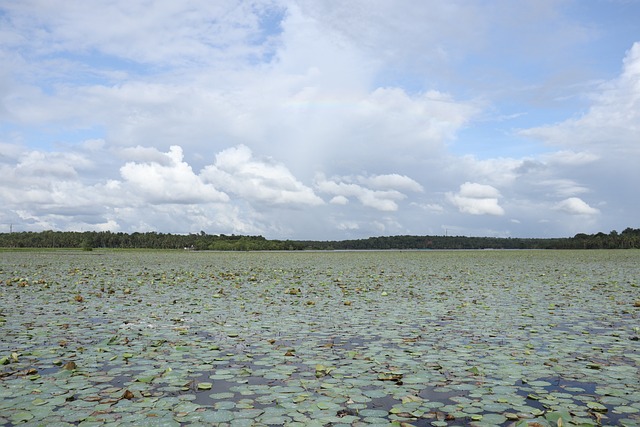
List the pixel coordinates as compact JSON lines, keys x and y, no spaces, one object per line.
{"x":321,"y":120}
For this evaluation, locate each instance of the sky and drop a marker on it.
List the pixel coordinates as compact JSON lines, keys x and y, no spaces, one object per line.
{"x":322,"y":120}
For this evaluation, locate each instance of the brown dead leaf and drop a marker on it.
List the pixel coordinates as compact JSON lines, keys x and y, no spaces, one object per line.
{"x":127,"y":395}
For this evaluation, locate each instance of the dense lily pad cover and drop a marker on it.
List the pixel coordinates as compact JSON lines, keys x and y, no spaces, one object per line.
{"x":422,"y":338}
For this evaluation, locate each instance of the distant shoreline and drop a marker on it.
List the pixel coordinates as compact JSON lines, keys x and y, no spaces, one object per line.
{"x":89,"y":240}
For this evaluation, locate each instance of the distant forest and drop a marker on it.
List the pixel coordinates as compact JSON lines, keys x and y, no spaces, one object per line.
{"x":88,"y":240}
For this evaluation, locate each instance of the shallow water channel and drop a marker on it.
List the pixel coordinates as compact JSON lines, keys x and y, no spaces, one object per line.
{"x":425,"y":338}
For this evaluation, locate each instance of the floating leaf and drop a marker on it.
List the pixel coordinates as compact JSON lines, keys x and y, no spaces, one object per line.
{"x":374,"y":393}
{"x":597,"y":407}
{"x":474,"y":370}
{"x":558,"y":418}
{"x":70,"y":366}
{"x":626,"y":410}
{"x":323,"y":405}
{"x":511,"y":416}
{"x":322,"y":370}
{"x":21,"y":416}
{"x":411,"y":398}
{"x":459,"y":342}
{"x":390,"y":376}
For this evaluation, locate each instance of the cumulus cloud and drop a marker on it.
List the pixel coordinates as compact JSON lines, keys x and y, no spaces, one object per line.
{"x":576,"y":206}
{"x":174,"y":182}
{"x":146,"y":155}
{"x":42,"y":177}
{"x":381,"y":192}
{"x":500,"y":171}
{"x":339,"y":200}
{"x":157,"y":188}
{"x":570,"y":157}
{"x":476,"y":199}
{"x":230,"y":117}
{"x":348,"y":225}
{"x":563,"y":187}
{"x":478,"y":191}
{"x":430,"y":207}
{"x":380,"y":200}
{"x":432,"y":116}
{"x":42,"y":165}
{"x":262,"y":180}
{"x":391,"y":181}
{"x":613,"y":120}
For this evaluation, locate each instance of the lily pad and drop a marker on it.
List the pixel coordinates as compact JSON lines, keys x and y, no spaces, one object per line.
{"x":595,"y":406}
{"x":205,"y":386}
{"x":468,"y":335}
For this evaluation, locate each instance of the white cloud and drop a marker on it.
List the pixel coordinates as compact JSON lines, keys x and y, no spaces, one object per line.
{"x":381,"y":192}
{"x":339,"y":200}
{"x":348,"y":225}
{"x":563,"y":187}
{"x":391,"y":182}
{"x":570,"y":158}
{"x":430,"y":207}
{"x":224,"y":117}
{"x":146,"y":155}
{"x":478,"y":191}
{"x":261,"y":180}
{"x":42,"y":165}
{"x":172,"y":183}
{"x":46,"y":178}
{"x":343,"y":188}
{"x":432,"y":116}
{"x":476,"y":206}
{"x":199,"y":32}
{"x":612,"y":122}
{"x":476,"y":199}
{"x":395,"y":32}
{"x":9,"y":152}
{"x":576,"y":206}
{"x":159,"y":191}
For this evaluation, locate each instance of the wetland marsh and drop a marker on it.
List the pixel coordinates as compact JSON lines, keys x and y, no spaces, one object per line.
{"x":424,"y":338}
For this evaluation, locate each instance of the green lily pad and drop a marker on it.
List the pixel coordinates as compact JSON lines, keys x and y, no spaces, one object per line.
{"x":626,"y":410}
{"x":453,"y":336}
{"x":21,"y":416}
{"x":595,"y":406}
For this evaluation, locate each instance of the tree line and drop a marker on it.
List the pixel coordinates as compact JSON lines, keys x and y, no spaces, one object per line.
{"x":88,"y":240}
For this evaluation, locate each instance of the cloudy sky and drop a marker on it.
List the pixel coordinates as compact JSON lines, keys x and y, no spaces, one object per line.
{"x":306,"y":119}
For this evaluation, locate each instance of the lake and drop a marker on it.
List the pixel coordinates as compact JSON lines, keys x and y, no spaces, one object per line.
{"x":422,"y":338}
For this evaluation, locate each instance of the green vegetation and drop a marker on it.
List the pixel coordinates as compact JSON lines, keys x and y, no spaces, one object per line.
{"x":412,"y":338}
{"x":627,"y":239}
